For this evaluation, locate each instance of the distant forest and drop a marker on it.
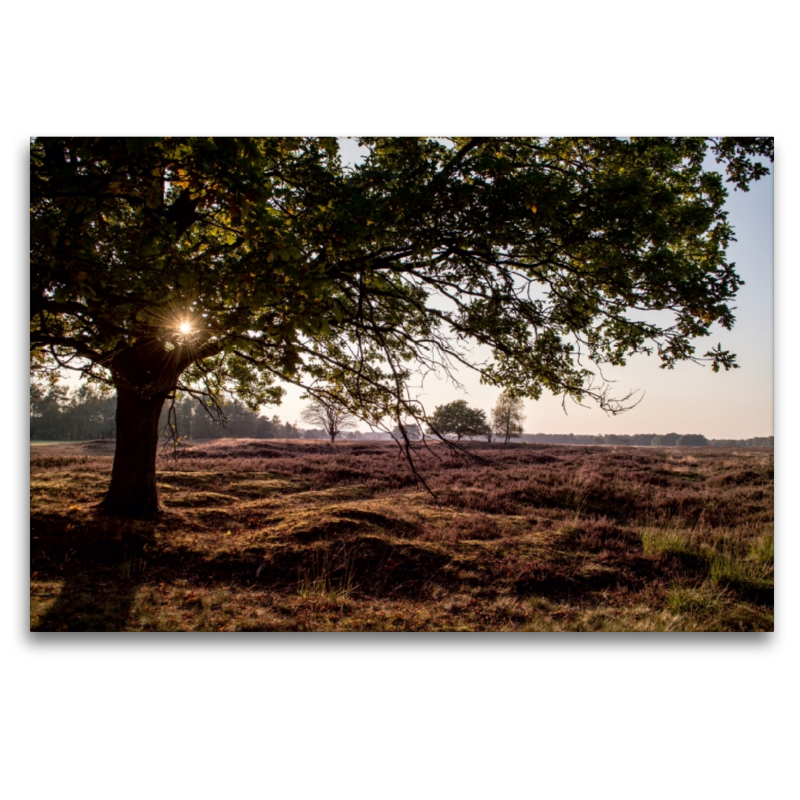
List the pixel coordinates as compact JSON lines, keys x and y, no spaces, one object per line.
{"x":88,"y":413}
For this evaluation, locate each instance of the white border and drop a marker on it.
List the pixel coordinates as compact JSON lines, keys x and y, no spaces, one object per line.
{"x":414,"y":716}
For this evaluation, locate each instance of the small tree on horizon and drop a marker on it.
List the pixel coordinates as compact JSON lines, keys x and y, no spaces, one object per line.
{"x":457,"y":419}
{"x":508,"y":416}
{"x":329,"y":415}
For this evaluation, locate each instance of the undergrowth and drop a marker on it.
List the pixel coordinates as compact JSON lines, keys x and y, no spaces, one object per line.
{"x":273,"y":536}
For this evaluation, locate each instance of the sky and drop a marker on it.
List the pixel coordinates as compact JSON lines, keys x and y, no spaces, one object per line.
{"x":687,"y":399}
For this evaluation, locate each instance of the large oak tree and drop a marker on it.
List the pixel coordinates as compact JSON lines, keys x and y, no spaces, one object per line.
{"x":217,"y":266}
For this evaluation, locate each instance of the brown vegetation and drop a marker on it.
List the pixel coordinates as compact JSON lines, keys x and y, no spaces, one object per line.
{"x":265,"y":535}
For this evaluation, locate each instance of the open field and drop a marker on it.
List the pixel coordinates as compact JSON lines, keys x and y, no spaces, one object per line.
{"x":265,"y":536}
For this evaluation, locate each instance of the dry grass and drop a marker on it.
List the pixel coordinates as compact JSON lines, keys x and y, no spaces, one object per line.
{"x":268,"y":536}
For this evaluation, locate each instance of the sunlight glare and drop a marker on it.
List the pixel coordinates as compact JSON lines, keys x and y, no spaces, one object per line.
{"x":185,"y":328}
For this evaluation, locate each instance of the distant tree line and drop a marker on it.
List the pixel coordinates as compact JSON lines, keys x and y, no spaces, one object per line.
{"x":194,"y":422}
{"x":85,"y":414}
{"x":646,"y":439}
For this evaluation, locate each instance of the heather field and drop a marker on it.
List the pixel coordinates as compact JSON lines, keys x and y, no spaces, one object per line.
{"x":300,"y":536}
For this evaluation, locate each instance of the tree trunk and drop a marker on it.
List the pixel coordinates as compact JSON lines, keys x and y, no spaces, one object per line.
{"x":145,"y":375}
{"x":132,"y":492}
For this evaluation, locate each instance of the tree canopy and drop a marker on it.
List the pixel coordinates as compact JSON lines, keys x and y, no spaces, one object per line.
{"x":217,"y":266}
{"x":458,"y":419}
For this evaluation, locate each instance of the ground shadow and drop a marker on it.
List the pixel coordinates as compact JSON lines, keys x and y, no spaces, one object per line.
{"x":99,"y":562}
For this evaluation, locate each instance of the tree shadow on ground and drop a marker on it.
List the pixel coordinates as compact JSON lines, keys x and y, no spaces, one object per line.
{"x":98,"y":560}
{"x":102,"y":562}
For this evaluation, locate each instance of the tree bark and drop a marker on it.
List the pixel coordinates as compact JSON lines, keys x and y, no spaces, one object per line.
{"x":132,"y":491}
{"x":145,"y":375}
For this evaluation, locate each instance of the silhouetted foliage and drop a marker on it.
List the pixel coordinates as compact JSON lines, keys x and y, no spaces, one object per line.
{"x":57,"y":415}
{"x":237,"y":422}
{"x":692,"y":440}
{"x":89,"y":414}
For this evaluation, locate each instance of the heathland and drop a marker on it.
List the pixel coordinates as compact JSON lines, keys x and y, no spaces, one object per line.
{"x":294,"y":535}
